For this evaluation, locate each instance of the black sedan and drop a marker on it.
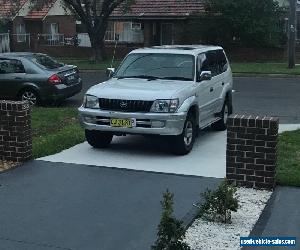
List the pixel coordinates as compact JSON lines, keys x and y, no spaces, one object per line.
{"x":37,"y":78}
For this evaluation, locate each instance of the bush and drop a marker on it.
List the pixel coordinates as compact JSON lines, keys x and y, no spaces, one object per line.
{"x":219,"y":204}
{"x":170,"y":230}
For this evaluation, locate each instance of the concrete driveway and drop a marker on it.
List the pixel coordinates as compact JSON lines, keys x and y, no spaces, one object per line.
{"x":48,"y":206}
{"x":208,"y":157}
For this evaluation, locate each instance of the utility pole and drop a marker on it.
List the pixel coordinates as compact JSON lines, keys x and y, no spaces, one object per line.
{"x":292,"y":33}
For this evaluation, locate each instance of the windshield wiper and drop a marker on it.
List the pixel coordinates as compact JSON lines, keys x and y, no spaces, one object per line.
{"x":150,"y":78}
{"x":180,"y":78}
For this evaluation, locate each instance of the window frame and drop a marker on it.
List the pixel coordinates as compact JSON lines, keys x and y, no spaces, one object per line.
{"x":10,"y":61}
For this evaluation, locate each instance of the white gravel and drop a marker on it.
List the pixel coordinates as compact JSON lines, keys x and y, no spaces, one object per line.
{"x":210,"y":235}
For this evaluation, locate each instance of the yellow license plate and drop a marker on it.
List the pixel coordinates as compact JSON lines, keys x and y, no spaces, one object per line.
{"x":125,"y":123}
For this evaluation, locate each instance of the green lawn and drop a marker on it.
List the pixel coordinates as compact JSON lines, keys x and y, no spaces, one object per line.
{"x":264,"y":68}
{"x":54,"y":129}
{"x":86,"y":64}
{"x":288,"y":172}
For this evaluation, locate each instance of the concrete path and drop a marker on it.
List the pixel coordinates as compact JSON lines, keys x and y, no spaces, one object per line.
{"x":208,"y":157}
{"x":281,"y":216}
{"x":48,"y":206}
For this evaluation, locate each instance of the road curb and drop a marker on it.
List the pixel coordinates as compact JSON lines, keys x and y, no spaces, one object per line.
{"x":265,"y":75}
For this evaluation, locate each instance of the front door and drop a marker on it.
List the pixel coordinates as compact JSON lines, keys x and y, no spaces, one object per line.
{"x":167,"y":34}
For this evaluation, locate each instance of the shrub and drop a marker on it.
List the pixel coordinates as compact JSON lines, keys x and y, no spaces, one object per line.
{"x":219,"y":204}
{"x":170,"y":230}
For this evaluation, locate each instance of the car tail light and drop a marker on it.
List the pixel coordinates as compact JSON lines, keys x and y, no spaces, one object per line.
{"x":54,"y":79}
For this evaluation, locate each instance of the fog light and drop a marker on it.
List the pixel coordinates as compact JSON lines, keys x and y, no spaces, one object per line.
{"x":157,"y":124}
{"x":89,"y":119}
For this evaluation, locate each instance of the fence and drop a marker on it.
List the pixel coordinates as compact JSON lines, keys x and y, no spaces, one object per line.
{"x":4,"y":43}
{"x":131,"y":36}
{"x":51,"y":39}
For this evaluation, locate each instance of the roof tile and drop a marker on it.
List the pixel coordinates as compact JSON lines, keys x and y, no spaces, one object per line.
{"x":161,"y":8}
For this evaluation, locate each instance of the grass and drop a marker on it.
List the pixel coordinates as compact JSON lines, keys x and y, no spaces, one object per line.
{"x":54,"y":129}
{"x":264,"y":68}
{"x":86,"y":64}
{"x":288,"y":172}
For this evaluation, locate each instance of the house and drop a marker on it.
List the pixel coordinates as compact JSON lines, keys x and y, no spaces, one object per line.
{"x":42,"y":24}
{"x":154,"y":22}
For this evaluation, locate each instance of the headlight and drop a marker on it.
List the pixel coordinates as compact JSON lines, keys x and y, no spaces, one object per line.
{"x":165,"y":106}
{"x":91,"y":102}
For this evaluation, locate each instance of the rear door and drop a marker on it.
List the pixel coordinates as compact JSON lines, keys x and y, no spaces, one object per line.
{"x":12,"y":77}
{"x":223,"y":78}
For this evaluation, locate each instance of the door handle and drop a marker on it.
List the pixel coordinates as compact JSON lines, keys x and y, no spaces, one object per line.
{"x":18,"y":78}
{"x":211,"y":89}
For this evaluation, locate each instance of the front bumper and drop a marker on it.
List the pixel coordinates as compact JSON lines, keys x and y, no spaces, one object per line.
{"x":146,"y":123}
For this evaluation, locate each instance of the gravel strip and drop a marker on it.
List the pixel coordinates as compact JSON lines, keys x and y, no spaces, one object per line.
{"x":210,"y":235}
{"x":4,"y":165}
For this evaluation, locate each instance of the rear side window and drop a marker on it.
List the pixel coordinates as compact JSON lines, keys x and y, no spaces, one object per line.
{"x":11,"y":66}
{"x":46,"y":62}
{"x":222,"y":61}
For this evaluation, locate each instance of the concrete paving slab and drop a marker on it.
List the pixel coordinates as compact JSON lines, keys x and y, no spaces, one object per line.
{"x":64,"y":206}
{"x":153,"y":154}
{"x":208,"y":157}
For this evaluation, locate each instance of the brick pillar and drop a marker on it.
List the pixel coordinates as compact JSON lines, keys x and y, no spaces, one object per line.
{"x":15,"y":131}
{"x":252,"y":151}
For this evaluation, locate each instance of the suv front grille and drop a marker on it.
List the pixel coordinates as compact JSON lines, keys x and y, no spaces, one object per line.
{"x":125,"y":105}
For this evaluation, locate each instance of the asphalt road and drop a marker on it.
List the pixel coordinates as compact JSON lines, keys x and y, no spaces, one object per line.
{"x":254,"y":95}
{"x":77,"y":207}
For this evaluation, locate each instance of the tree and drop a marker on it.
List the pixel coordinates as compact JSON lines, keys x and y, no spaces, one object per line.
{"x":170,"y":230}
{"x":94,"y":15}
{"x":247,"y":22}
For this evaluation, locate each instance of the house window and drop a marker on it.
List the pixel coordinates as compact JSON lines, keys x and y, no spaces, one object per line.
{"x":54,"y":31}
{"x":136,"y":26}
{"x":21,"y":33}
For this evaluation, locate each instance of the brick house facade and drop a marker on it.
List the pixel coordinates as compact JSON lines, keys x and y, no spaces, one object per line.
{"x":47,"y":24}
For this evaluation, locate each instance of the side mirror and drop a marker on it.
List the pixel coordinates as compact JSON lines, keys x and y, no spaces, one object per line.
{"x":110,"y":72}
{"x":205,"y":76}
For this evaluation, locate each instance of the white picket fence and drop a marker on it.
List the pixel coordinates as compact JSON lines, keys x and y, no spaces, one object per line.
{"x":4,"y":43}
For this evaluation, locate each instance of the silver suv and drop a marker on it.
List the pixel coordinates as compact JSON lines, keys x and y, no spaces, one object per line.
{"x":171,"y":91}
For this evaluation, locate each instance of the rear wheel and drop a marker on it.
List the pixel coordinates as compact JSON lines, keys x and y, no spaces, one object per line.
{"x":29,"y":95}
{"x":221,"y":125}
{"x":182,"y":144}
{"x":98,"y":139}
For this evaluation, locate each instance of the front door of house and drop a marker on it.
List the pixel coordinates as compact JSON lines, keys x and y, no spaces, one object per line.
{"x":167,"y":34}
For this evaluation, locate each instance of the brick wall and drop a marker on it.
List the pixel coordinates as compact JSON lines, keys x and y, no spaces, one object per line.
{"x":15,"y":131}
{"x":252,"y":151}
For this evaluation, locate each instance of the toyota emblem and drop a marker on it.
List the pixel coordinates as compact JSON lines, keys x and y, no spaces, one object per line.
{"x":123,"y":104}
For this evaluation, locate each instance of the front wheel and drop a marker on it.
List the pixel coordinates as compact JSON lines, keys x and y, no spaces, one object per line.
{"x":182,"y":144}
{"x":98,"y":139}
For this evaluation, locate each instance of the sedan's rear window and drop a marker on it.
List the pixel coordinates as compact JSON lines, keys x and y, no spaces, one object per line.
{"x":46,"y":62}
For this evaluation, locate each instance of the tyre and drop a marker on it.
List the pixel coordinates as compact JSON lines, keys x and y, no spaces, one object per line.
{"x":221,"y":125}
{"x":29,"y":95}
{"x":98,"y":139}
{"x":182,"y":144}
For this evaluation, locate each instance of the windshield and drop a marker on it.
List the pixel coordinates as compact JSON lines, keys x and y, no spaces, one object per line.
{"x":46,"y":61}
{"x":157,"y":66}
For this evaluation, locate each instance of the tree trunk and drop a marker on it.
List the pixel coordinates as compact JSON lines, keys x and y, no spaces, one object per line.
{"x":97,"y":43}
